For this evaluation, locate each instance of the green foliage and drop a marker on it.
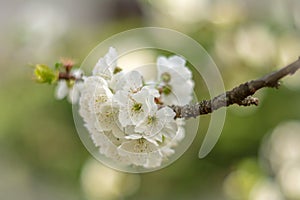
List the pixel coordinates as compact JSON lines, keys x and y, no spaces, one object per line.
{"x":44,"y":74}
{"x":58,"y":65}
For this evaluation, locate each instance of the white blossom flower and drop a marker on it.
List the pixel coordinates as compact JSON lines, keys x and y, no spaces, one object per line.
{"x":106,"y":66}
{"x":171,"y":142}
{"x":133,"y":82}
{"x":70,"y":89}
{"x":180,"y":134}
{"x":98,"y":113}
{"x":136,"y":106}
{"x":74,"y":92}
{"x":152,"y":126}
{"x":122,"y":115}
{"x":94,"y":93}
{"x":141,"y":152}
{"x":107,"y":120}
{"x":62,"y":89}
{"x":117,"y":81}
{"x":176,"y":80}
{"x":107,"y":144}
{"x":130,"y":82}
{"x":101,"y":95}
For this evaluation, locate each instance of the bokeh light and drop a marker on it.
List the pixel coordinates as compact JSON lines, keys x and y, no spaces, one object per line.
{"x":101,"y":182}
{"x":289,"y":180}
{"x":284,"y":145}
{"x":255,"y":44}
{"x":266,"y":189}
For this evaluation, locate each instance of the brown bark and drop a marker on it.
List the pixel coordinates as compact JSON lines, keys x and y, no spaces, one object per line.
{"x":240,"y":95}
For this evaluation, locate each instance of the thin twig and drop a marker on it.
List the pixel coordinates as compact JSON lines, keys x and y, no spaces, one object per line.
{"x":240,"y":95}
{"x":66,"y":76}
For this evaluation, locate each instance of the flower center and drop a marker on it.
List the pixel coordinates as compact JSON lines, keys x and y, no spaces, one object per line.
{"x":151,"y":119}
{"x":101,"y":99}
{"x":140,"y":146}
{"x":137,"y":107}
{"x":167,"y":89}
{"x":165,"y":77}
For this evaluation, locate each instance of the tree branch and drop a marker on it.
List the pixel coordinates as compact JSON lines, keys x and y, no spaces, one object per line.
{"x":240,"y":95}
{"x":66,"y":76}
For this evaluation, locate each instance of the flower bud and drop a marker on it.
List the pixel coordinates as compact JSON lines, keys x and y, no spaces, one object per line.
{"x":167,"y":89}
{"x":166,"y":77}
{"x":44,"y":74}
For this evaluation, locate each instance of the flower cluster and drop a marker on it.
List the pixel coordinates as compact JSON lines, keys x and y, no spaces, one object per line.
{"x":127,"y":117}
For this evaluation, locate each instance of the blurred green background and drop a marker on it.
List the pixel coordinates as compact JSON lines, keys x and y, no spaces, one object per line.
{"x":257,"y":156}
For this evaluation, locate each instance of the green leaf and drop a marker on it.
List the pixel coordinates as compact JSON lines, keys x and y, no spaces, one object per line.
{"x":44,"y":74}
{"x":58,"y":65}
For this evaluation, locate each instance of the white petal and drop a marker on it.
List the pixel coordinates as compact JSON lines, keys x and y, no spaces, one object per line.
{"x":73,"y":95}
{"x":130,"y":116}
{"x":180,"y":82}
{"x":114,"y":140}
{"x":170,"y":129}
{"x":141,"y":153}
{"x":129,"y":130}
{"x":89,"y":95}
{"x":152,"y":91}
{"x":162,"y":62}
{"x":147,"y":99}
{"x":161,"y":118}
{"x":121,"y":97}
{"x":102,"y":69}
{"x":180,"y":121}
{"x":124,"y":102}
{"x":99,"y":139}
{"x":77,"y":73}
{"x":138,"y":146}
{"x":177,"y":61}
{"x":100,"y":95}
{"x":154,"y":160}
{"x":107,"y":144}
{"x":123,"y":118}
{"x":133,"y":82}
{"x":166,"y":113}
{"x":106,"y":117}
{"x":133,"y":136}
{"x":167,"y":151}
{"x":111,"y":58}
{"x":84,"y":107}
{"x":105,"y":66}
{"x":62,"y":89}
{"x":152,"y":140}
{"x":180,"y":134}
{"x":92,"y":82}
{"x":150,"y":129}
{"x":117,"y":82}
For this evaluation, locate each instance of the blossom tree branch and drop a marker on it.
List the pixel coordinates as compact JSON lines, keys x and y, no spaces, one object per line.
{"x":240,"y":95}
{"x":124,"y":131}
